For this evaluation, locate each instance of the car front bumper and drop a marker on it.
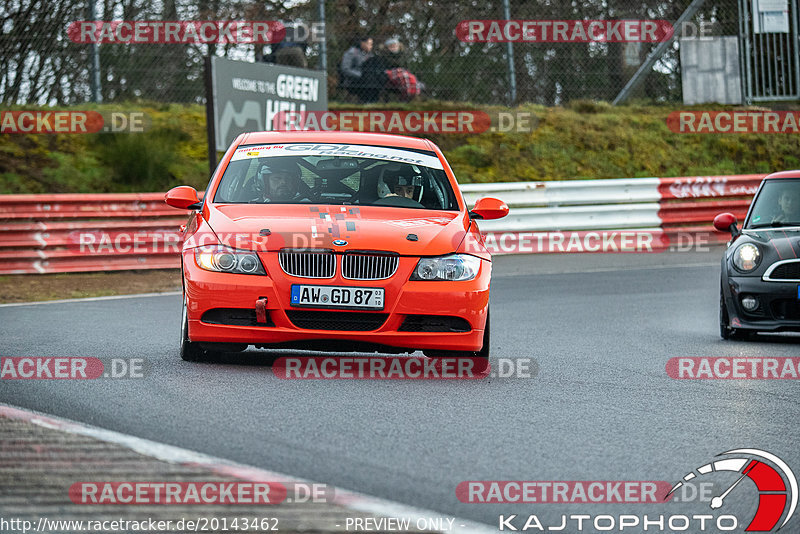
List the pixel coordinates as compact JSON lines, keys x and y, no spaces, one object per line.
{"x":411,"y":307}
{"x":778,"y":309}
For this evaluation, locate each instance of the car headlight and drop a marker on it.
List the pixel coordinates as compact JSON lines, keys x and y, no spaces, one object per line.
{"x":455,"y":268}
{"x":227,"y":260}
{"x":746,"y":257}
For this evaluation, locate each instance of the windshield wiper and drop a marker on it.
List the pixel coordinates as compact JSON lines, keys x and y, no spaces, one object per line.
{"x":775,"y":224}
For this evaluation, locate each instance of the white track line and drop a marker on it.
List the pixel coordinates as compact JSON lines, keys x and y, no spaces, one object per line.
{"x":90,"y":299}
{"x":168,"y":453}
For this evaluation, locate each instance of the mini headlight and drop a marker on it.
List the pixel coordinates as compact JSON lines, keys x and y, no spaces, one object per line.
{"x":454,"y":267}
{"x":746,"y":257}
{"x":227,"y":260}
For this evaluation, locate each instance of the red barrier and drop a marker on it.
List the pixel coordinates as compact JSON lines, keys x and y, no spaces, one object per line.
{"x":106,"y":232}
{"x":744,"y":185}
{"x":53,"y":234}
{"x":698,"y":212}
{"x":88,"y":232}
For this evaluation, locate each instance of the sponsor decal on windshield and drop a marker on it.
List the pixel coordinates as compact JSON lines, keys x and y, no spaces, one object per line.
{"x":328,"y":149}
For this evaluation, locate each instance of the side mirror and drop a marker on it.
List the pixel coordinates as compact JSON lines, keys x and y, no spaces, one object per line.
{"x":183,"y":197}
{"x":489,"y":208}
{"x":726,"y":222}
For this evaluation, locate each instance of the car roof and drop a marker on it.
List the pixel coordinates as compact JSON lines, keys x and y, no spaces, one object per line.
{"x":783,"y":174}
{"x":354,"y":138}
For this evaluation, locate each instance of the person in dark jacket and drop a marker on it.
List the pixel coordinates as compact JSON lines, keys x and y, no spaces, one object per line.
{"x":350,"y":70}
{"x":375,"y":78}
{"x":291,"y":50}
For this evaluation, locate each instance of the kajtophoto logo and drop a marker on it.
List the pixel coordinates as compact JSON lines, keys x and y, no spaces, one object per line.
{"x":774,"y":480}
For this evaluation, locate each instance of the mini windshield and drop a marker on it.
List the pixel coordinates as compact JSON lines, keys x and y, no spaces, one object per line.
{"x":777,"y":204}
{"x":336,"y":174}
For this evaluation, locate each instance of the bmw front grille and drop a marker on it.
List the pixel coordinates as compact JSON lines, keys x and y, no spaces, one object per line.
{"x":369,"y":266}
{"x":308,"y":263}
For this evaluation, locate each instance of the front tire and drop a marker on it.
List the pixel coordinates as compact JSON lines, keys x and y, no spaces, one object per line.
{"x":482,"y":355}
{"x":190,"y":352}
{"x":725,"y":331}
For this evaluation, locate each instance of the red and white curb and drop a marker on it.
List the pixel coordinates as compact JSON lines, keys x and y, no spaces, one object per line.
{"x":349,"y":500}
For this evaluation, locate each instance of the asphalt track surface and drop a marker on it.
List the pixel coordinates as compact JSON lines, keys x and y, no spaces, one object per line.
{"x":601,"y":407}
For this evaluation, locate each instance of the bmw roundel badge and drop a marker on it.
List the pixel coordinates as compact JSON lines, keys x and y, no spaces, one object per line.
{"x":339,"y":242}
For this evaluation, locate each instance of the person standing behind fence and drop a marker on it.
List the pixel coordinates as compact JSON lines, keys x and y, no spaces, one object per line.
{"x":400,"y":83}
{"x":385,"y":74}
{"x":291,"y":51}
{"x":374,"y":71}
{"x":350,"y":73}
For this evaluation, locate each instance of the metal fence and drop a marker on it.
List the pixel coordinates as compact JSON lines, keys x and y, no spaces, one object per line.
{"x":41,"y":65}
{"x":769,"y":40}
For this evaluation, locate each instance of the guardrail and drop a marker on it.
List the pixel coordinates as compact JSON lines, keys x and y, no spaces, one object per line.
{"x":92,"y":232}
{"x":104,"y":232}
{"x":620,"y":215}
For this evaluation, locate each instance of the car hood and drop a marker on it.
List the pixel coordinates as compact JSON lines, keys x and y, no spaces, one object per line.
{"x":274,"y":227}
{"x":775,"y":244}
{"x":773,"y":233}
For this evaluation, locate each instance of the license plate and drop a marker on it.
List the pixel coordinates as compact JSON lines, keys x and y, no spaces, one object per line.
{"x":365,"y":298}
{"x":798,"y":292}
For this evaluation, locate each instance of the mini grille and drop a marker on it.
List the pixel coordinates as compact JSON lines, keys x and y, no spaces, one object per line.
{"x":308,"y":263}
{"x":786,"y":271}
{"x":786,"y":309}
{"x":357,"y":266}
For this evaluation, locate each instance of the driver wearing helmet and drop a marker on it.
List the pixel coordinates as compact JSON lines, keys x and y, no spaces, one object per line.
{"x":281,"y":181}
{"x":402,"y":183}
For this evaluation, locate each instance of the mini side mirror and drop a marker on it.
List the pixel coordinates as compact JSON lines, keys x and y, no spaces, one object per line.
{"x":726,"y":222}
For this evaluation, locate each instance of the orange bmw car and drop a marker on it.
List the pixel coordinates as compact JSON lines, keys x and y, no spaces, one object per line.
{"x":347,"y":242}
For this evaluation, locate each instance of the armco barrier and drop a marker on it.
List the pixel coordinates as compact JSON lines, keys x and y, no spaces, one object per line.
{"x":75,"y":233}
{"x":656,"y":213}
{"x":96,"y":232}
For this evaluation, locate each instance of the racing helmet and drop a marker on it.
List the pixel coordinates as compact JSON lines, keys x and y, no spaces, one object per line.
{"x":269,"y":166}
{"x":276,"y":165}
{"x":401,"y":176}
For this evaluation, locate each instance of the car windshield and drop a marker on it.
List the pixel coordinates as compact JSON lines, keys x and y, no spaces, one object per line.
{"x":336,"y":174}
{"x":778,"y":204}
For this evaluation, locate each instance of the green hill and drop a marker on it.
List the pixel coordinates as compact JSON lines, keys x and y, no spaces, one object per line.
{"x":583,"y":140}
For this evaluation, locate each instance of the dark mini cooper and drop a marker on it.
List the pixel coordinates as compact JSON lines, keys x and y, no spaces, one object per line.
{"x":760,"y":282}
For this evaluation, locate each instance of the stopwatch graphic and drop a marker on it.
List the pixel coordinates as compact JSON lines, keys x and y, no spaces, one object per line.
{"x":775,"y":481}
